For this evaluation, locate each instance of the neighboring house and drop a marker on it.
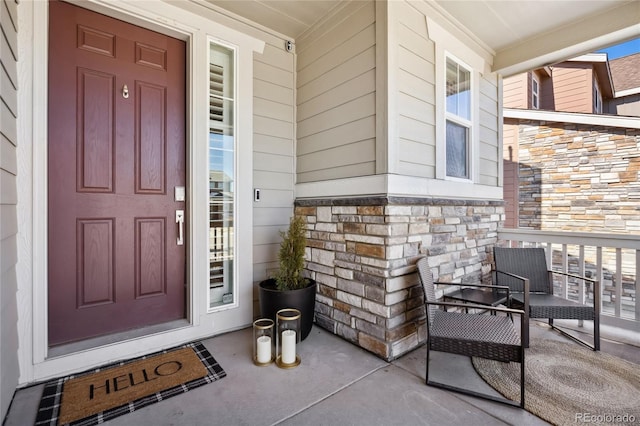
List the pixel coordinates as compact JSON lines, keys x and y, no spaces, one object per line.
{"x":590,"y":84}
{"x":625,"y":73}
{"x":570,"y":163}
{"x":379,"y":121}
{"x":566,"y":169}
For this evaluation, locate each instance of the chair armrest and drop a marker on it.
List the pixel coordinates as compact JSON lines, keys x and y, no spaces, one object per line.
{"x":596,"y":285}
{"x":482,"y":307}
{"x":525,"y":287}
{"x":518,"y":277}
{"x":501,"y":287}
{"x":496,"y":287}
{"x":567,"y":274}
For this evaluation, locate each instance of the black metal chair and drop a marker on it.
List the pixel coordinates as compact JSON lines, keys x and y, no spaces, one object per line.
{"x":474,"y":335}
{"x":515,"y":266}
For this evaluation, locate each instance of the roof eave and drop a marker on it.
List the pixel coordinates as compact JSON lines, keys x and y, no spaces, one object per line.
{"x":574,"y":39}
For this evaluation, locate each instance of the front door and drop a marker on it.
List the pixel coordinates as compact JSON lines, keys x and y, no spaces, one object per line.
{"x":116,"y":176}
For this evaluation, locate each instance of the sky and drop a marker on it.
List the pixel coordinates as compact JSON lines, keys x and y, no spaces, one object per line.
{"x":623,"y":49}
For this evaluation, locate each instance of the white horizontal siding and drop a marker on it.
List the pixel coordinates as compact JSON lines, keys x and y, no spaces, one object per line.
{"x":270,"y":216}
{"x":8,"y":123}
{"x":273,"y":152}
{"x":282,"y":181}
{"x":340,"y":54}
{"x":339,"y":172}
{"x":272,"y":145}
{"x":416,"y":108}
{"x":354,"y":110}
{"x":268,"y":162}
{"x":334,"y":157}
{"x":274,"y":110}
{"x":336,"y":85}
{"x":264,"y":125}
{"x":418,"y":159}
{"x":271,"y":73}
{"x":334,"y":33}
{"x":9,"y":368}
{"x":490,"y":156}
{"x":8,"y":90}
{"x":265,"y":89}
{"x":416,"y":95}
{"x":418,"y":132}
{"x":8,"y":160}
{"x":347,"y":133}
{"x":8,"y":189}
{"x":335,"y":95}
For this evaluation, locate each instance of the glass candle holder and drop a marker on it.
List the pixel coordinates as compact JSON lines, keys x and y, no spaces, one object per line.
{"x":287,"y":337}
{"x":263,"y":341}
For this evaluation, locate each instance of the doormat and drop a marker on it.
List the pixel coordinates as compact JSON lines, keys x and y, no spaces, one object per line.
{"x":102,"y":394}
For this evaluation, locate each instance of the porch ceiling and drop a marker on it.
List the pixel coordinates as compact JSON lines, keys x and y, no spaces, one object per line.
{"x":523,"y":34}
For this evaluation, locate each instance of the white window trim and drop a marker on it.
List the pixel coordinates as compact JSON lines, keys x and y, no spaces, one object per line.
{"x":461,"y":121}
{"x":535,"y":91}
{"x":236,"y":165}
{"x":597,"y":98}
{"x":448,"y":45}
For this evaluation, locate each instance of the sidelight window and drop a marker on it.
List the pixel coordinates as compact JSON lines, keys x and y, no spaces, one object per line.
{"x":222,"y":172}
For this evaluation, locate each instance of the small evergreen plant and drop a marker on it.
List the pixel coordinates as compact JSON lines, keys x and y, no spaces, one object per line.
{"x":291,"y":256}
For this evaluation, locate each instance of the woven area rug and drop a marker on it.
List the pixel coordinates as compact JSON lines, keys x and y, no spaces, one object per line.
{"x":568,"y":384}
{"x":102,"y":394}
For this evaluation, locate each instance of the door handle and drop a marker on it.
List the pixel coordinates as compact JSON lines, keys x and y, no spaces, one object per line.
{"x":180,"y":222}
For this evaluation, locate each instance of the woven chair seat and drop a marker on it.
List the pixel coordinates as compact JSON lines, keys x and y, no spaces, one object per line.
{"x":550,"y":306}
{"x":486,"y":336}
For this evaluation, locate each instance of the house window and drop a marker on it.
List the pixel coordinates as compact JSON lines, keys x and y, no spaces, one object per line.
{"x":535,"y":92}
{"x":597,"y":99}
{"x":221,"y":173}
{"x":458,"y":119}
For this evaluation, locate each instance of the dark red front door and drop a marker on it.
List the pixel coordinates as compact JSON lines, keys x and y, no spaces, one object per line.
{"x":116,"y":153}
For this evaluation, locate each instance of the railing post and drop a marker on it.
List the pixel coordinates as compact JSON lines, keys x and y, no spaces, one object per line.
{"x":581,"y":285}
{"x":599,"y":274}
{"x":618,"y":283}
{"x":637,"y":269}
{"x":565,"y":269}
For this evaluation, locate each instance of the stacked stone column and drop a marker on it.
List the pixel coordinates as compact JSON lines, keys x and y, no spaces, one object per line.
{"x":362,"y":253}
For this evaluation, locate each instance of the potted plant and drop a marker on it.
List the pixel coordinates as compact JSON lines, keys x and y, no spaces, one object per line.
{"x":289,"y":288}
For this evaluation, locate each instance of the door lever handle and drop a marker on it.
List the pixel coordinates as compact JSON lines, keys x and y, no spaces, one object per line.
{"x":180,"y":222}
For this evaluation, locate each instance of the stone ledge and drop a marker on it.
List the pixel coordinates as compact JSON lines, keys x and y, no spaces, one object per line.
{"x":386,"y":201}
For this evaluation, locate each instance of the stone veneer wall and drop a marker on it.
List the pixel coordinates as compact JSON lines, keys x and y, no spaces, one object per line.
{"x":362,"y":253}
{"x":579,"y":178}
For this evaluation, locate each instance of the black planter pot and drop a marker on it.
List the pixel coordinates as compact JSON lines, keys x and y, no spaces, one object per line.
{"x":304,"y":300}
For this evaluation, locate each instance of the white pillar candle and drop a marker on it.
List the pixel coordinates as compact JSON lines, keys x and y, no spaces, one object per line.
{"x":288,"y":347}
{"x":264,"y":349}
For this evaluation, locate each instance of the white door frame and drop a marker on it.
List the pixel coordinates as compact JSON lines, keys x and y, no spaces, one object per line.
{"x":196,"y":30}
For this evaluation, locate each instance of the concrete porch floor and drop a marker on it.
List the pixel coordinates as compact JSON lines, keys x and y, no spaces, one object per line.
{"x":336,"y":384}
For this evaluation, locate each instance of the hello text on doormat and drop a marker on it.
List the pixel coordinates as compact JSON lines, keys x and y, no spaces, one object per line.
{"x":106,"y":393}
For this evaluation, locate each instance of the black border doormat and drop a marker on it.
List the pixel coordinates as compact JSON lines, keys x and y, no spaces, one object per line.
{"x":51,"y":401}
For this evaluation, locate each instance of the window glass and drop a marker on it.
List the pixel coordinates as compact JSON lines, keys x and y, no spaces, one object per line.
{"x":221,"y":174}
{"x":457,"y":142}
{"x":535,"y":93}
{"x":458,"y":90}
{"x":597,"y":100}
{"x":458,"y":116}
